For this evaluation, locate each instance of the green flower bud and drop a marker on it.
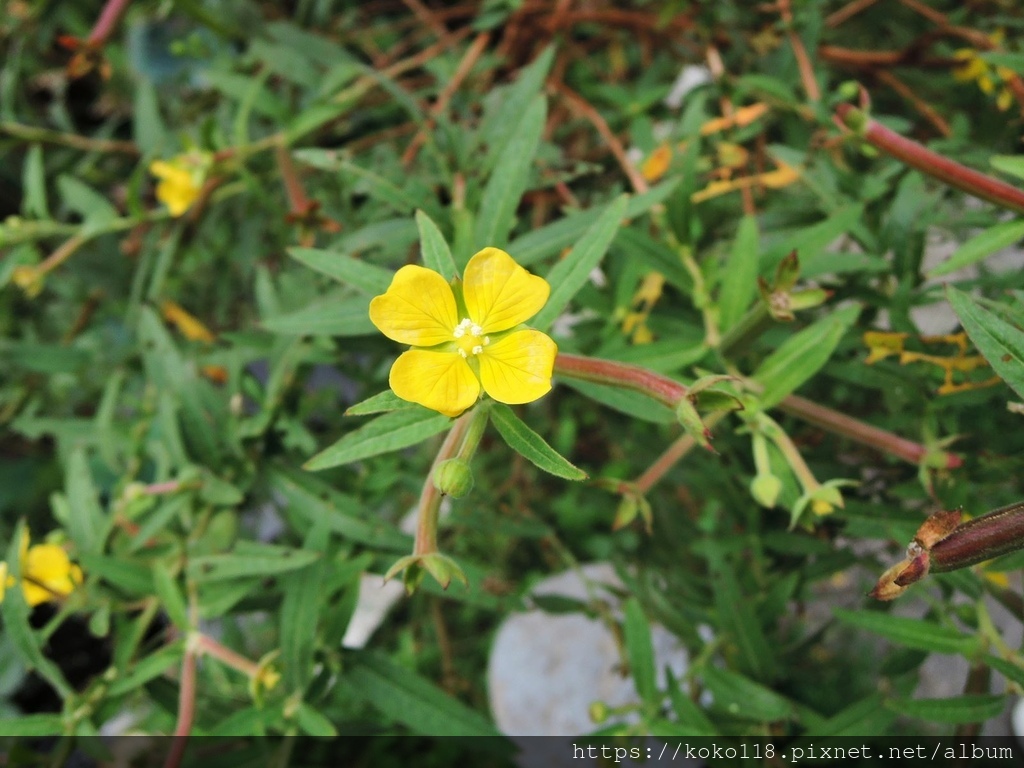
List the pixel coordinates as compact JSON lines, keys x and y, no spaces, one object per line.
{"x":454,"y":478}
{"x":766,"y":489}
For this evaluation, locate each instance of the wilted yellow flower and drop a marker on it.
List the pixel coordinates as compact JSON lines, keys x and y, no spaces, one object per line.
{"x":465,"y":343}
{"x":190,"y":326}
{"x":47,"y":573}
{"x":657,"y":163}
{"x":181,"y":180}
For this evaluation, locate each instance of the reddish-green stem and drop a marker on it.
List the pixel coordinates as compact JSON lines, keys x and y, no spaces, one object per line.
{"x":107,"y":21}
{"x":430,"y":497}
{"x":661,"y":388}
{"x":846,"y":426}
{"x":186,"y":709}
{"x":980,"y":539}
{"x":931,"y":163}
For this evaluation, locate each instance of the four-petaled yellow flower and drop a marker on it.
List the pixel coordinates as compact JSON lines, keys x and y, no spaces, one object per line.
{"x":467,"y":338}
{"x":181,"y":180}
{"x":47,"y":573}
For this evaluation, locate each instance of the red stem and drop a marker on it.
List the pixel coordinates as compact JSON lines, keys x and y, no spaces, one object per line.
{"x":186,"y":710}
{"x":846,"y":426}
{"x":661,"y":388}
{"x":106,"y":22}
{"x":931,"y":163}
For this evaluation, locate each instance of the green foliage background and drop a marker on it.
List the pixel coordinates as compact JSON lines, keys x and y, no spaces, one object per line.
{"x":101,"y":398}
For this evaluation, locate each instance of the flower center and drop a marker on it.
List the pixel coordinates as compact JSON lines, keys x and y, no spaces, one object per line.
{"x":470,"y":338}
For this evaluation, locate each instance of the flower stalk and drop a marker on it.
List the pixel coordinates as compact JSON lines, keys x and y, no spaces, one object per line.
{"x":943,"y":544}
{"x":660,"y":388}
{"x":928,"y":162}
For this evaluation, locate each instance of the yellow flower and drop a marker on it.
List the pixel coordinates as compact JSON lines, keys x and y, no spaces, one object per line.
{"x":991,"y":80}
{"x":29,"y":279}
{"x":47,"y":573}
{"x":467,"y":338}
{"x":181,"y":180}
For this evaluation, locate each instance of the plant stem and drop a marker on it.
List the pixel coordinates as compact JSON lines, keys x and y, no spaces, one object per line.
{"x":677,"y":450}
{"x":846,"y":426}
{"x":657,"y":387}
{"x":107,"y":21}
{"x":204,"y":644}
{"x":47,"y":135}
{"x":931,"y":163}
{"x":186,"y":709}
{"x":430,"y":498}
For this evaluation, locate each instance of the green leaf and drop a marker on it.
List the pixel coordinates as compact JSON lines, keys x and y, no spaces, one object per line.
{"x":957,"y":710}
{"x":434,"y":248}
{"x":315,"y":500}
{"x":640,"y":651}
{"x":86,"y":201}
{"x":404,"y":696}
{"x":126,"y":574}
{"x":802,"y":355}
{"x":553,"y":238}
{"x":384,"y":434}
{"x":340,"y":317}
{"x":998,"y":341}
{"x":170,"y":596}
{"x":1010,"y":164}
{"x":32,"y":725}
{"x":1008,"y":669}
{"x":738,"y":621}
{"x":532,"y":446}
{"x":87,"y":523}
{"x":250,"y":559}
{"x":739,"y":282}
{"x":1008,"y":59}
{"x":382,"y":402}
{"x":33,"y":180}
{"x":368,"y":278}
{"x":868,"y":715}
{"x":977,"y":248}
{"x":810,"y":243}
{"x":148,"y":129}
{"x":501,"y":123}
{"x":625,"y":401}
{"x":149,"y":668}
{"x":510,"y":179}
{"x":570,"y":274}
{"x":313,"y":723}
{"x":689,"y":714}
{"x":300,"y":610}
{"x":743,"y":698}
{"x":914,"y":633}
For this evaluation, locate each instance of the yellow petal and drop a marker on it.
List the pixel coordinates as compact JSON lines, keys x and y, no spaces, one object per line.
{"x":499,"y":293}
{"x":1004,"y":100}
{"x":418,"y":308}
{"x":441,"y":381}
{"x":47,"y":573}
{"x":517,"y":368}
{"x":190,"y":326}
{"x":5,"y":580}
{"x":657,"y":163}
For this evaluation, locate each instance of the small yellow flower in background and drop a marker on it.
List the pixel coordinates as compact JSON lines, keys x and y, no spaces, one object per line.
{"x":47,"y":573}
{"x":181,"y":180}
{"x":29,"y":280}
{"x":990,"y":79}
{"x":657,"y":163}
{"x":465,"y":342}
{"x":191,"y":327}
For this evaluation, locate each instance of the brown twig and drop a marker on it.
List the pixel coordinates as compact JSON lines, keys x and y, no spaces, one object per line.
{"x":590,"y":113}
{"x":926,"y":110}
{"x":847,"y":12}
{"x":803,"y":60}
{"x":472,"y":55}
